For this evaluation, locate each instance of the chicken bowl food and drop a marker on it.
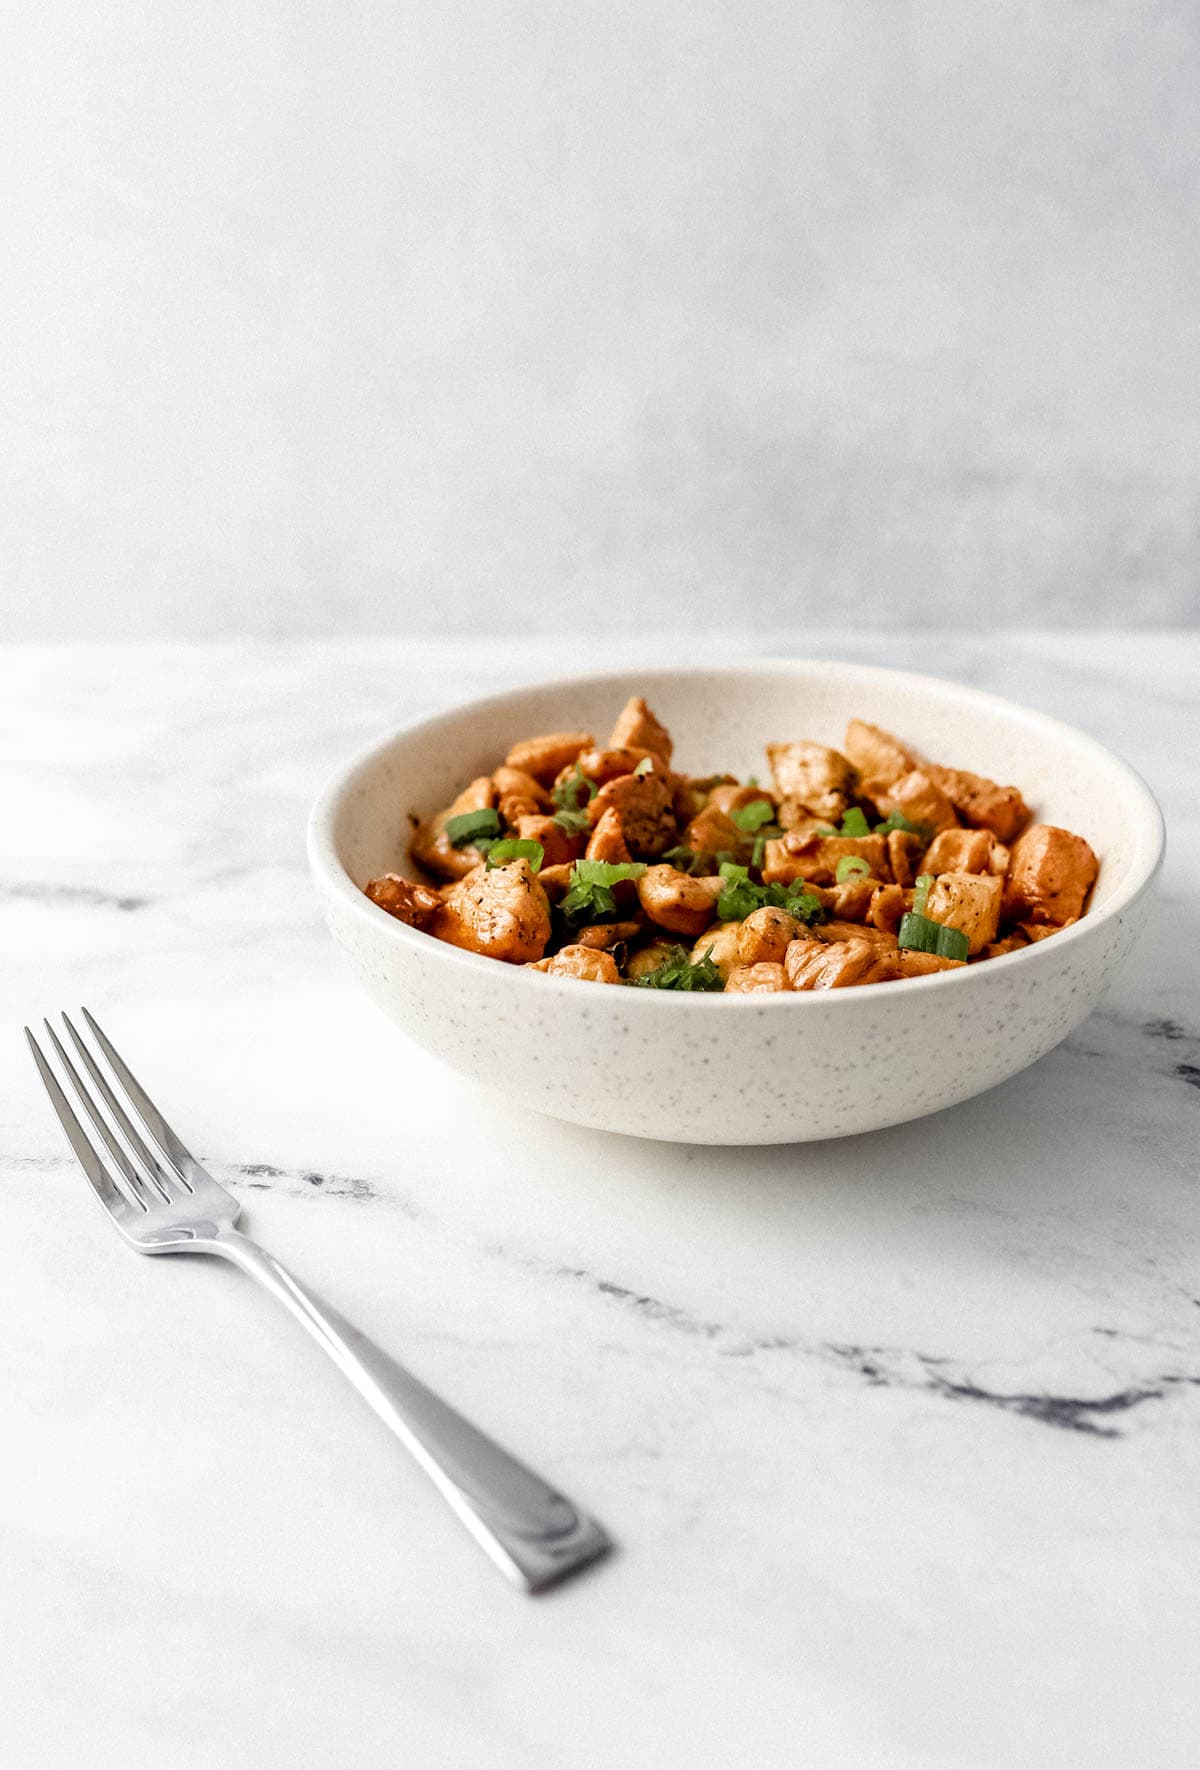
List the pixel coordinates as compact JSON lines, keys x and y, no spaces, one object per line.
{"x":773,"y":835}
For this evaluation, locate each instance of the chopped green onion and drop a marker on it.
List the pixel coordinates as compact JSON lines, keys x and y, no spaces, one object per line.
{"x":471,"y":825}
{"x":590,"y":897}
{"x":896,"y":820}
{"x":678,"y":972}
{"x":921,"y":894}
{"x":759,"y":851}
{"x":644,"y":766}
{"x":854,"y":823}
{"x":751,"y":780}
{"x":741,"y":897}
{"x":849,"y":865}
{"x":566,"y":794}
{"x":513,"y":848}
{"x":752,"y":817}
{"x":921,"y":935}
{"x":572,"y":823}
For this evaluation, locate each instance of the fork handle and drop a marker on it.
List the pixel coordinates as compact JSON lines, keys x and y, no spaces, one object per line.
{"x":532,"y":1532}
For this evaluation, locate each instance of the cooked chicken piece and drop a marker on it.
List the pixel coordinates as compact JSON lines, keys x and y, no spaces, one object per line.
{"x":432,"y":848}
{"x":878,"y":756}
{"x":643,"y":802}
{"x":904,"y":852}
{"x":970,"y":902}
{"x":678,"y":902}
{"x":637,"y":728}
{"x":814,"y":776}
{"x":795,"y":817}
{"x":546,"y":757}
{"x":722,"y":942}
{"x":713,"y":831}
{"x":692,"y":792}
{"x":1050,"y":873}
{"x":918,"y":797}
{"x":605,"y":765}
{"x":761,"y":978}
{"x":649,"y":958}
{"x":765,"y":936}
{"x":888,"y":904}
{"x":555,"y":881}
{"x":503,"y":914}
{"x":607,"y":841}
{"x":607,"y":934}
{"x":913,"y":964}
{"x":405,"y":899}
{"x":841,"y":931}
{"x":810,"y":964}
{"x":816,"y":857}
{"x":1035,"y":931}
{"x":962,"y":851}
{"x":518,"y":795}
{"x":559,"y":848}
{"x":851,"y":900}
{"x":1008,"y":943}
{"x":729,"y":796}
{"x":584,"y":962}
{"x":981,"y":802}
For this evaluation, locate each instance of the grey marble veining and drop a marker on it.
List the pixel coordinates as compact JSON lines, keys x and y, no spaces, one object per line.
{"x":899,"y":1433}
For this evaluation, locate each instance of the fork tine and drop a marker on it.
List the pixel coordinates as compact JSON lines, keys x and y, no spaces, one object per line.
{"x":181,"y":1159}
{"x":113,"y":1200}
{"x":135,"y":1183}
{"x":145,"y":1155}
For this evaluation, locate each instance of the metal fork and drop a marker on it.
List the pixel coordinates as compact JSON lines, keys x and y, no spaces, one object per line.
{"x":164,"y":1202}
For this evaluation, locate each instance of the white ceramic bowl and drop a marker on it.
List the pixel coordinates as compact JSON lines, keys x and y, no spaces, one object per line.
{"x":737,"y":1069}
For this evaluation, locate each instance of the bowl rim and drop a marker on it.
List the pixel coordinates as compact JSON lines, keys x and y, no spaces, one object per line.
{"x":329,"y":872}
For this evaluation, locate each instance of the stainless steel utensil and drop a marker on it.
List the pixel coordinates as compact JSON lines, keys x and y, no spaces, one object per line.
{"x":164,"y":1202}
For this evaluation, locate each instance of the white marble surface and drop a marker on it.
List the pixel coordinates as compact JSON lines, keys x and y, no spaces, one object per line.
{"x":477,"y":313}
{"x":899,"y":1435}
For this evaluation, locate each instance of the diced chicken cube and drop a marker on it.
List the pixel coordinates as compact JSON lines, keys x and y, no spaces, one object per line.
{"x":815,"y":858}
{"x":961,"y":851}
{"x":503,"y":914}
{"x":878,"y":756}
{"x":969,"y":902}
{"x":812,"y":775}
{"x":913,"y":964}
{"x":721,"y":942}
{"x":766,"y":935}
{"x":643,"y":803}
{"x":811,"y":965}
{"x":761,"y":978}
{"x":904,"y":852}
{"x":605,"y":765}
{"x":835,"y":930}
{"x":518,"y":794}
{"x":677,"y":901}
{"x":607,"y":841}
{"x":405,"y":899}
{"x":888,"y":904}
{"x":919,"y":798}
{"x":587,"y":963}
{"x":638,"y":728}
{"x":432,"y":848}
{"x":981,"y":803}
{"x":713,"y":831}
{"x":546,"y":757}
{"x":558,"y":847}
{"x":1050,"y":873}
{"x":606,"y":935}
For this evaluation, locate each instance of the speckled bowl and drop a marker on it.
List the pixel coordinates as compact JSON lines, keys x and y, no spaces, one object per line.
{"x":737,"y":1069}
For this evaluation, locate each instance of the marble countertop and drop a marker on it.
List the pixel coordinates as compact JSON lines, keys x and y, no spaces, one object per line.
{"x":899,"y":1435}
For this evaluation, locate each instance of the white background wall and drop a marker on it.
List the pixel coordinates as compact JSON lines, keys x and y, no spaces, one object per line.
{"x":325,"y":317}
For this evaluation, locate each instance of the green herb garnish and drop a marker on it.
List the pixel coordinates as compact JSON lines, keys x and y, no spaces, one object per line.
{"x":921,"y":935}
{"x":741,"y":897}
{"x":752,"y":817}
{"x":572,"y":823}
{"x":590,"y":896}
{"x":849,"y":865}
{"x":921,"y":892}
{"x":854,"y":823}
{"x":515,"y":848}
{"x":472,"y":826}
{"x":567,"y":793}
{"x":678,"y":972}
{"x":896,"y":820}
